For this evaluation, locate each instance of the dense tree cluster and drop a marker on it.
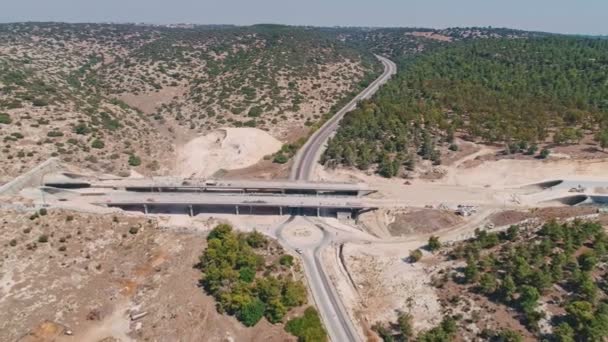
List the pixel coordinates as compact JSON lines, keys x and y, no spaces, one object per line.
{"x":518,"y":91}
{"x":239,"y":278}
{"x":518,"y":270}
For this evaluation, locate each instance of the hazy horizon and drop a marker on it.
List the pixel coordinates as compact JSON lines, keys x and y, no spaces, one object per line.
{"x":557,"y":16}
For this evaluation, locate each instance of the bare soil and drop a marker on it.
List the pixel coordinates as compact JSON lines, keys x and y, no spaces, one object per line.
{"x":94,"y":271}
{"x":423,"y":221}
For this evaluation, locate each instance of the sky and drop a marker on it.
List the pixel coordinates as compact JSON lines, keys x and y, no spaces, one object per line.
{"x":559,"y":16}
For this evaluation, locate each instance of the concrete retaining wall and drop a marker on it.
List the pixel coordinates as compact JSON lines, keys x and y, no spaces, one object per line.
{"x":31,"y":178}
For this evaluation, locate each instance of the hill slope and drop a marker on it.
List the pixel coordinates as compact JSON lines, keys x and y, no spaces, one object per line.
{"x":112,"y":97}
{"x":548,"y":90}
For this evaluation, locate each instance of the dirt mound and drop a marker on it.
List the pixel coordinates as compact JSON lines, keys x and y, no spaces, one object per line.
{"x":227,"y":148}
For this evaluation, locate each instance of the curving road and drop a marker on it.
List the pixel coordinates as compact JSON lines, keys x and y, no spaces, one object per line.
{"x":336,"y":319}
{"x":307,"y":158}
{"x":337,"y":322}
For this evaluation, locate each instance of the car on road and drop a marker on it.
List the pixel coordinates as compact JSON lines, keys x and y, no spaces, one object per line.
{"x":298,"y":250}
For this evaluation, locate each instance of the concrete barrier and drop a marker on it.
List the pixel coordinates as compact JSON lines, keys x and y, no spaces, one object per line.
{"x":31,"y":178}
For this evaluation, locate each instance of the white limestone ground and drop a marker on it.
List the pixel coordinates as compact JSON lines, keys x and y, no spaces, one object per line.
{"x":226,"y":148}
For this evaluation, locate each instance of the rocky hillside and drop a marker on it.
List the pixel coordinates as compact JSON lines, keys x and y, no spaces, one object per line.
{"x":115,"y":97}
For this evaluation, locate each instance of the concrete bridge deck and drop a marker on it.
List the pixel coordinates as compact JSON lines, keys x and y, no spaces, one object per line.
{"x":193,"y":203}
{"x":176,"y":184}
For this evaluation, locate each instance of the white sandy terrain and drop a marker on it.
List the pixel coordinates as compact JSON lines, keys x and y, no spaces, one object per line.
{"x":226,"y":148}
{"x":509,"y":173}
{"x":387,"y":284}
{"x":489,"y":183}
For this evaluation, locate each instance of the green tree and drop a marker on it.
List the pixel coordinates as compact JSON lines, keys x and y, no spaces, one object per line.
{"x":307,"y":328}
{"x":252,"y":312}
{"x":488,"y":283}
{"x":471,"y":271}
{"x":246,"y":274}
{"x":564,"y":333}
{"x":275,"y":310}
{"x":512,"y":232}
{"x":406,"y":328}
{"x":602,"y":138}
{"x":587,"y":261}
{"x":508,"y":336}
{"x":581,"y":314}
{"x":507,"y":289}
{"x":294,"y":293}
{"x":528,"y":297}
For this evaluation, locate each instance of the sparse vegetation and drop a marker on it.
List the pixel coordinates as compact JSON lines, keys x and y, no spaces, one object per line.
{"x":525,"y":270}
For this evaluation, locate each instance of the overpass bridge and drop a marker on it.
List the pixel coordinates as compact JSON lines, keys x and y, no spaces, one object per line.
{"x":195,"y":196}
{"x":196,"y":203}
{"x":183,"y":185}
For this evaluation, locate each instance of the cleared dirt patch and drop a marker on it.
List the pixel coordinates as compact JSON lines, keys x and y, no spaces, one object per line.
{"x":423,"y":221}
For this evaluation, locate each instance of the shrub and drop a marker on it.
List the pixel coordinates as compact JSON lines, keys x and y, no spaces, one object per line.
{"x":5,"y":119}
{"x":40,"y":103}
{"x":62,"y":248}
{"x":544,"y":154}
{"x":134,"y":160}
{"x":97,"y":144}
{"x":415,"y":255}
{"x":42,"y":212}
{"x":434,"y":243}
{"x":453,"y":147}
{"x":133,"y":230}
{"x":280,"y":158}
{"x":13,"y":242}
{"x":255,"y":112}
{"x":43,"y":238}
{"x":286,"y":260}
{"x":81,"y":129}
{"x":54,"y":134}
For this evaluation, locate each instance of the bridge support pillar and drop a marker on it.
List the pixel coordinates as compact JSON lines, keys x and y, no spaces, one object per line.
{"x":318,"y":211}
{"x":191,"y":210}
{"x":237,"y":209}
{"x":145,"y":208}
{"x":281,"y":211}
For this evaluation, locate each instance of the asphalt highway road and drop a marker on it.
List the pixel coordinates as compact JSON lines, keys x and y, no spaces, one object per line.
{"x":307,"y":158}
{"x":337,"y":321}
